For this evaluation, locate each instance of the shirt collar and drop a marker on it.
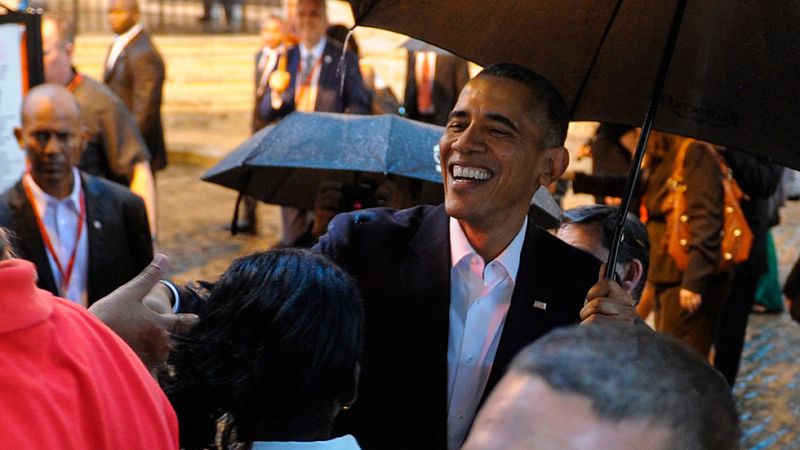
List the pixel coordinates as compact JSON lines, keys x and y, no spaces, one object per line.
{"x":131,"y":33}
{"x":42,"y":198}
{"x":346,"y":442}
{"x":509,"y":258}
{"x":316,"y":51}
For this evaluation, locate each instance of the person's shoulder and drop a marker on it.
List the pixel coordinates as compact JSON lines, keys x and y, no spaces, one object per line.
{"x":105,"y":190}
{"x":94,"y":95}
{"x":374,"y":219}
{"x":377,"y":228}
{"x":551,"y":247}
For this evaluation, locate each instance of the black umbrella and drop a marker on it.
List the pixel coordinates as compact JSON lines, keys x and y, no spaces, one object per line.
{"x":284,"y":163}
{"x":716,"y":70}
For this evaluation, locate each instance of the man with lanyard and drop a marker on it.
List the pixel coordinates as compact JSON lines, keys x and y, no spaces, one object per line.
{"x":115,"y":149}
{"x":311,"y":83}
{"x":86,"y":236}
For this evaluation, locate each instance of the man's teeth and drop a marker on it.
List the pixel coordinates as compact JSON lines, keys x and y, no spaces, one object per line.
{"x":475,"y":173}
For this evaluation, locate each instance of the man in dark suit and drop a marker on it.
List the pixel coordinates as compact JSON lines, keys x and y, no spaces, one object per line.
{"x":453,"y":292}
{"x":311,"y":83}
{"x":433,"y":82}
{"x":134,"y":70}
{"x":87,"y":236}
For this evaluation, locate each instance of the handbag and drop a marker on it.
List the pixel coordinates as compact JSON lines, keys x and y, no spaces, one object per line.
{"x":737,"y":238}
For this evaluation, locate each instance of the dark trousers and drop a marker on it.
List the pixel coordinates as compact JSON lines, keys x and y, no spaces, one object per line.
{"x":733,"y":322}
{"x":697,"y":329}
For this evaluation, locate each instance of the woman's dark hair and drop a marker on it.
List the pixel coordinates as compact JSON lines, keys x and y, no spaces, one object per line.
{"x":276,"y":349}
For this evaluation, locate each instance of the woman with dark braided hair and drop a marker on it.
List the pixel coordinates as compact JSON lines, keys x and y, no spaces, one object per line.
{"x":275,"y":355}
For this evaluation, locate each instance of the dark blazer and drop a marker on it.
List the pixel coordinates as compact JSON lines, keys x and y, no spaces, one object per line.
{"x":115,"y":145}
{"x":137,"y":77}
{"x":449,"y":77}
{"x":401,"y":261}
{"x":353,"y":99}
{"x":119,"y":237}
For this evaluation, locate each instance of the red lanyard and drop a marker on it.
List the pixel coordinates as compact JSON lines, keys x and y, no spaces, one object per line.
{"x":76,"y":80}
{"x":305,"y":83}
{"x":66,"y":275}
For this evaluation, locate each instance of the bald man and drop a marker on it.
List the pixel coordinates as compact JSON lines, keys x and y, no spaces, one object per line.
{"x":135,"y":72}
{"x":86,"y":236}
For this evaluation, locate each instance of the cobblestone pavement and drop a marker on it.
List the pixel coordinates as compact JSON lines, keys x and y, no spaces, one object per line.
{"x":193,"y":215}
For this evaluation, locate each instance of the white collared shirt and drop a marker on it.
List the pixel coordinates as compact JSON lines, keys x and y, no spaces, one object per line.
{"x":346,"y":442}
{"x":60,"y":219}
{"x":120,"y":42}
{"x":480,"y":295}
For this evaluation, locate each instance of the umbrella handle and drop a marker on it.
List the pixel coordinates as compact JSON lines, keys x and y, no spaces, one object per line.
{"x":649,"y":118}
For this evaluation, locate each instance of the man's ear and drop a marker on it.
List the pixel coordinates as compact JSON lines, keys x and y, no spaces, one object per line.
{"x":557,"y":160}
{"x":70,"y":50}
{"x":632,"y":273}
{"x":18,"y":135}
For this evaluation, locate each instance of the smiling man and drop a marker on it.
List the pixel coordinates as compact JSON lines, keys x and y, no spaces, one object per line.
{"x":453,"y":292}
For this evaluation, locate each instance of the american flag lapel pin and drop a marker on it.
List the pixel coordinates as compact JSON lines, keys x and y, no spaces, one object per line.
{"x":540,"y":305}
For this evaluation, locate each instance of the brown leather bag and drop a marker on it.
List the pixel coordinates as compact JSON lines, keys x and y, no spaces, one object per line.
{"x":736,"y":235}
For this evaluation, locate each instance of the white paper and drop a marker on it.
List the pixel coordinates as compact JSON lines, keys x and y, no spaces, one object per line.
{"x":12,"y":158}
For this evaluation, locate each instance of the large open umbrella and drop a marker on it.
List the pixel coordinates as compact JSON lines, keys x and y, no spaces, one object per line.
{"x":717,"y":70}
{"x":284,"y":163}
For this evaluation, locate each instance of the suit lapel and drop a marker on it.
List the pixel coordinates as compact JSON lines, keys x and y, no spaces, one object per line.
{"x":117,"y":62}
{"x":95,"y":217}
{"x":327,"y":78}
{"x":427,"y":277}
{"x":538,"y":303}
{"x":30,"y":238}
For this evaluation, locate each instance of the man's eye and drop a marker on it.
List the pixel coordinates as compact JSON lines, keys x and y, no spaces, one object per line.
{"x":455,"y":126}
{"x":499,"y":132}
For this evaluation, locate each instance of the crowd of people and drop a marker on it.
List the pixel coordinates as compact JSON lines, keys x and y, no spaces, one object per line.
{"x":459,"y":325}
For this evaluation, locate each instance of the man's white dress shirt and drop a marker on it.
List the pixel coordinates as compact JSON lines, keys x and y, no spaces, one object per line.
{"x":60,"y":219}
{"x":480,"y":295}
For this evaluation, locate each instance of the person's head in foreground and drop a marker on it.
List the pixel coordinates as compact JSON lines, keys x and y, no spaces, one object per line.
{"x":591,"y":229}
{"x":503,"y":139}
{"x":608,"y":387}
{"x":277,"y":350}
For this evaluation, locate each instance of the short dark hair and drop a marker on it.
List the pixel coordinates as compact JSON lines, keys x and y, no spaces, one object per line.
{"x":556,"y":114}
{"x":276,"y":348}
{"x":633,"y":373}
{"x":635,"y":242}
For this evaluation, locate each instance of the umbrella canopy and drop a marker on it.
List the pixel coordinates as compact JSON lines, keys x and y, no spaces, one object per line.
{"x":731,"y":81}
{"x":284,"y":163}
{"x":415,"y":45}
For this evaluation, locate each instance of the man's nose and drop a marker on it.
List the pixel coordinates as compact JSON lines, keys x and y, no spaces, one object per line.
{"x":470,"y":141}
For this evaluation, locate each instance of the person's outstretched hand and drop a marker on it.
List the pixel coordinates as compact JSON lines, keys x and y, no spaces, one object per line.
{"x":146,"y":331}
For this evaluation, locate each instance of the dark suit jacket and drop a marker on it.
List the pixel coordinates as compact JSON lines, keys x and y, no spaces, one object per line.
{"x":354,"y":98}
{"x":115,"y":145}
{"x":449,"y":77}
{"x":119,"y":237}
{"x":401,"y":261}
{"x":137,"y":77}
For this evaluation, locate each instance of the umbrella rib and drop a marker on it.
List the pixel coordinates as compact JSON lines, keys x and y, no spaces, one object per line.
{"x":602,"y":42}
